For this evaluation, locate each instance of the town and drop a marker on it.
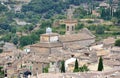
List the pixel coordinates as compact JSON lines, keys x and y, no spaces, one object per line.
{"x":76,"y":53}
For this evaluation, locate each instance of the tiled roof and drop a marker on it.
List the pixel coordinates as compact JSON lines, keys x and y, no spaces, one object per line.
{"x":47,"y":45}
{"x":75,"y":37}
{"x":49,"y":34}
{"x":109,"y":40}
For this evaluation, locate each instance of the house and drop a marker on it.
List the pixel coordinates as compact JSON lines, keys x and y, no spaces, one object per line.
{"x":104,"y":5}
{"x":108,"y":42}
{"x":115,"y":50}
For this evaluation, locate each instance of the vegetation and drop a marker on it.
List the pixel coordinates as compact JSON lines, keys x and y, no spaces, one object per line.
{"x":83,"y":68}
{"x":63,"y":66}
{"x":45,"y":70}
{"x":44,"y":13}
{"x":1,"y":72}
{"x":100,"y":30}
{"x":30,"y":39}
{"x":1,"y":50}
{"x":100,"y":65}
{"x":76,"y":68}
{"x":117,"y":43}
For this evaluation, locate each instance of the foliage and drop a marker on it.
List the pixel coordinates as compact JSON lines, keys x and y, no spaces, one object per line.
{"x":45,"y":70}
{"x":30,"y":39}
{"x":117,"y":43}
{"x":100,"y":65}
{"x":3,"y":8}
{"x":100,"y":30}
{"x":7,"y":37}
{"x":80,"y":12}
{"x":76,"y":68}
{"x":1,"y":50}
{"x":50,"y":6}
{"x":79,"y":26}
{"x":25,"y":40}
{"x":29,"y":27}
{"x":92,"y":27}
{"x":46,"y":23}
{"x":1,"y":72}
{"x":15,"y":40}
{"x":63,"y":66}
{"x":5,"y":26}
{"x":117,"y":13}
{"x":105,"y":13}
{"x":83,"y":68}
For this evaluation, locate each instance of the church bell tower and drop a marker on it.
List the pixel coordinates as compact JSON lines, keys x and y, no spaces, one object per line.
{"x":69,"y":22}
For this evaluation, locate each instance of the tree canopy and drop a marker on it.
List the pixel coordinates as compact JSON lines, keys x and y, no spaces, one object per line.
{"x":117,"y":43}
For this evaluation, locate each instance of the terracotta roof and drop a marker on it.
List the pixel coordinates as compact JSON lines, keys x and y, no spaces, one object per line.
{"x":39,"y":59}
{"x":112,"y":63}
{"x":116,"y":49}
{"x":109,"y":40}
{"x":85,"y":30}
{"x":75,"y":46}
{"x":47,"y":45}
{"x":50,"y":34}
{"x":75,"y":37}
{"x":102,"y":52}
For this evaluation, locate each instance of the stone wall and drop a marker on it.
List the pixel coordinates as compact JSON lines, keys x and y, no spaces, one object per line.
{"x":40,"y":51}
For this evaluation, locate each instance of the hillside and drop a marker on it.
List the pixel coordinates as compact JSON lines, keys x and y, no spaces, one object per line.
{"x":25,"y":20}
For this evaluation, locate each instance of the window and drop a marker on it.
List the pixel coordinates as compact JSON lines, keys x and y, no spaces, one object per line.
{"x":67,"y":28}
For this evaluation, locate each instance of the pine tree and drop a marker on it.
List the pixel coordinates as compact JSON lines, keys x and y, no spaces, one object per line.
{"x":63,"y":67}
{"x":76,"y":68}
{"x":100,"y":65}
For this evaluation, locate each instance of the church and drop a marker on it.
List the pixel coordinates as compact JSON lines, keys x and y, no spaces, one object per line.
{"x":52,"y":42}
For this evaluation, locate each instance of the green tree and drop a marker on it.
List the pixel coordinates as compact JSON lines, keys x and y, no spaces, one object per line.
{"x":15,"y":40}
{"x":25,"y":40}
{"x":105,"y":13}
{"x":46,"y":23}
{"x":7,"y":37}
{"x":3,"y":8}
{"x":80,"y":12}
{"x":76,"y":68}
{"x":63,"y":66}
{"x":100,"y":65}
{"x":79,"y":26}
{"x":117,"y":43}
{"x":1,"y":50}
{"x":100,"y":30}
{"x":1,"y":72}
{"x":83,"y":68}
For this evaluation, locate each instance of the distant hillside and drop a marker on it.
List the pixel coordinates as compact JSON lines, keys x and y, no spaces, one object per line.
{"x":50,"y":7}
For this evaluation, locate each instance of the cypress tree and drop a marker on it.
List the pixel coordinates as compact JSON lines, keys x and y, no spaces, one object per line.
{"x":100,"y":65}
{"x":63,"y":66}
{"x":76,"y":68}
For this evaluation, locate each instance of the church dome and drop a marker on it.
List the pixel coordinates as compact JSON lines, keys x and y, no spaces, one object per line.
{"x":48,"y":30}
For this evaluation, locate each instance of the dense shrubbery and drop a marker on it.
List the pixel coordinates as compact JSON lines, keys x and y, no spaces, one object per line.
{"x":117,"y":43}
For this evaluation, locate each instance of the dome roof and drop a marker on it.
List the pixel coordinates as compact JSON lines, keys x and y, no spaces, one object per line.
{"x":48,"y":30}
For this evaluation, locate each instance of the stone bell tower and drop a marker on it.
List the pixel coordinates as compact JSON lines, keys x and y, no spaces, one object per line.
{"x":69,"y":22}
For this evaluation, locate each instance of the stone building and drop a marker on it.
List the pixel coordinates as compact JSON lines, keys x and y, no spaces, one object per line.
{"x":50,"y":42}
